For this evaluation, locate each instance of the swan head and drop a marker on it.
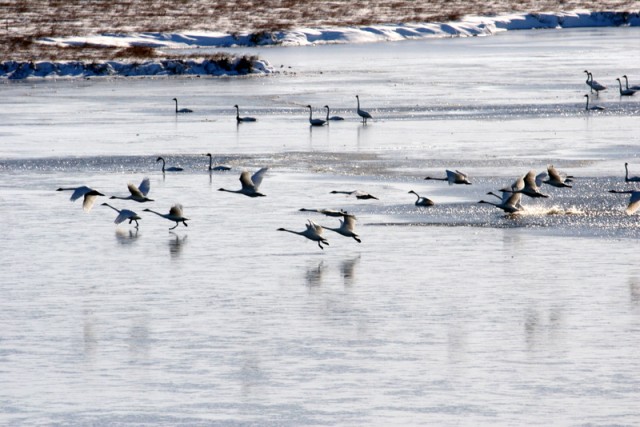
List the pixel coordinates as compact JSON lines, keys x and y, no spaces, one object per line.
{"x":208,"y":154}
{"x":158,"y":159}
{"x":236,"y":106}
{"x":175,"y":99}
{"x":308,"y":106}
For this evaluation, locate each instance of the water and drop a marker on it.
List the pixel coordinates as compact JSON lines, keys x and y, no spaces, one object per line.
{"x":448,"y":315}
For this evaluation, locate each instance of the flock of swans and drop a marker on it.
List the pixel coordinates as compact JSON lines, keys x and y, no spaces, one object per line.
{"x":596,"y":87}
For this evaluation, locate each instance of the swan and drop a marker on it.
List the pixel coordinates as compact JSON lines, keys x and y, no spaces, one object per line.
{"x":593,"y":107}
{"x":124,"y":214}
{"x":315,"y":122}
{"x":182,"y":110}
{"x":175,"y":214}
{"x":365,"y":115}
{"x":555,"y":178}
{"x":594,"y":85}
{"x":360,"y":195}
{"x":216,"y":168}
{"x":88,"y":194}
{"x":625,"y":92}
{"x":250,"y":184}
{"x":327,"y":212}
{"x":626,"y":81}
{"x":510,"y":202}
{"x":243,"y":119}
{"x":169,"y":169}
{"x":347,"y":226}
{"x":422,"y":201}
{"x":138,"y":194}
{"x":626,"y":175}
{"x":332,"y":118}
{"x":456,"y":177}
{"x":312,"y":232}
{"x":634,"y":201}
{"x":526,"y":185}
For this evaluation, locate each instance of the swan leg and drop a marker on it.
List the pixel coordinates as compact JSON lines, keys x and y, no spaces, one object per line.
{"x":185,"y":223}
{"x":320,"y":245}
{"x":137,"y":225}
{"x":177,"y":223}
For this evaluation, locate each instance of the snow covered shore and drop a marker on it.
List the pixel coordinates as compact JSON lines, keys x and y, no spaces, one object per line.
{"x":468,"y":26}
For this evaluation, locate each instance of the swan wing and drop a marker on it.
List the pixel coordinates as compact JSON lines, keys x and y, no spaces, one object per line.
{"x":246,"y":182}
{"x":513,"y":200}
{"x":349,"y":222}
{"x":134,"y":190}
{"x":530,"y":179}
{"x":89,"y":200}
{"x":145,"y":186}
{"x":540,"y":177}
{"x":451,"y":176}
{"x":554,"y":174}
{"x":124,"y":215}
{"x":79,"y":192}
{"x":176,"y":210}
{"x":634,"y":203}
{"x":257,"y":177}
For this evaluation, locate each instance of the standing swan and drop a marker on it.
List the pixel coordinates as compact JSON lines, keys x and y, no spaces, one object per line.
{"x":422,"y":201}
{"x":347,"y":226}
{"x":593,"y":107}
{"x":216,"y":168}
{"x":312,"y":232}
{"x":314,"y":122}
{"x":594,"y":85}
{"x":626,"y":175}
{"x":169,"y":169}
{"x":625,"y":92}
{"x":182,"y":110}
{"x":138,"y":194}
{"x":242,"y":119}
{"x":456,"y":177}
{"x":88,"y":194}
{"x":175,"y":214}
{"x":333,"y":118}
{"x":364,"y":114}
{"x":250,"y":184}
{"x":124,"y":214}
{"x":634,"y":201}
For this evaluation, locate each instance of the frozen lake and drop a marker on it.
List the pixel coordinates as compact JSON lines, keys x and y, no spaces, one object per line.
{"x":448,"y":315}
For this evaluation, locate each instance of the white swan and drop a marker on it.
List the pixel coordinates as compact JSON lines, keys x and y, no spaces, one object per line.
{"x":526,"y":185}
{"x":216,"y":168}
{"x":312,"y":232}
{"x":594,"y":85}
{"x":510,"y":202}
{"x":347,"y":227}
{"x":364,"y":114}
{"x":593,"y":107}
{"x":243,"y":119}
{"x":250,"y":184}
{"x":332,"y":118}
{"x":454,"y":177}
{"x":360,"y":195}
{"x":626,"y":175}
{"x":169,"y":169}
{"x":138,"y":194}
{"x":182,"y":110}
{"x":422,"y":201}
{"x":626,"y":82}
{"x":625,"y":92}
{"x":124,"y":214}
{"x":88,"y":194}
{"x":555,"y":178}
{"x":327,"y":212}
{"x":175,"y":214}
{"x":314,"y":122}
{"x":634,"y":200}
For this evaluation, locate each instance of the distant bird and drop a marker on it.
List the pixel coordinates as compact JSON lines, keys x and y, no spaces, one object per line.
{"x":594,"y":85}
{"x":456,"y":177}
{"x":219,"y":168}
{"x":625,"y":92}
{"x":175,"y":214}
{"x":527,"y":186}
{"x":327,"y":212}
{"x":422,"y":201}
{"x":124,"y":214}
{"x":634,"y":201}
{"x":250,"y":184}
{"x":182,"y":110}
{"x":312,"y":232}
{"x":593,"y":107}
{"x":555,"y":179}
{"x":510,"y":202}
{"x":347,"y":226}
{"x":243,"y":119}
{"x":627,"y":178}
{"x":634,"y":87}
{"x":138,"y":194}
{"x":89,"y":196}
{"x":365,"y":115}
{"x":314,"y":122}
{"x":332,"y":118}
{"x":169,"y":169}
{"x":360,"y":195}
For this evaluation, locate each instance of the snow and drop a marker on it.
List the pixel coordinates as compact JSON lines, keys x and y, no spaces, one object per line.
{"x":469,"y":26}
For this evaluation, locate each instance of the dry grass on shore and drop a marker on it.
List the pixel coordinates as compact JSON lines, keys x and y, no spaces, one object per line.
{"x":24,"y":21}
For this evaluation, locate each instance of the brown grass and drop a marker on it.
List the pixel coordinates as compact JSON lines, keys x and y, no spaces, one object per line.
{"x":24,"y":21}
